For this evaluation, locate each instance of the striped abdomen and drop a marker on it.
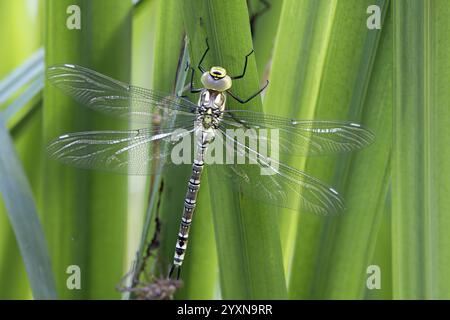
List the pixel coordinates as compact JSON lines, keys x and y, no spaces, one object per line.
{"x":190,"y":202}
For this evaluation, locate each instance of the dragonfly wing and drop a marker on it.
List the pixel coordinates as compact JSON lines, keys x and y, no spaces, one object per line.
{"x":115,"y":98}
{"x":127,"y":152}
{"x":278,"y":184}
{"x":301,"y":137}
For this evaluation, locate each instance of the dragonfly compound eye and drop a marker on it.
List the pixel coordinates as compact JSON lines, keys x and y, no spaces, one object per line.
{"x":218,"y":72}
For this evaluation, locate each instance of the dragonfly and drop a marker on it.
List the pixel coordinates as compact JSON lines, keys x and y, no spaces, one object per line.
{"x":136,"y":151}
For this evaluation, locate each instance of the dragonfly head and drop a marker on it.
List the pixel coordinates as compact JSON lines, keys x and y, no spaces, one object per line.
{"x":216,"y":79}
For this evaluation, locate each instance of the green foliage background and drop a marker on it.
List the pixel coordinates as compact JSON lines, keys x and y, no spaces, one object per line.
{"x":322,"y":61}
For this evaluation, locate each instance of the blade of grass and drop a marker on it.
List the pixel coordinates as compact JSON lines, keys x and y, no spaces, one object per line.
{"x":420,"y":201}
{"x":144,"y":14}
{"x":65,"y":192}
{"x":305,"y":52}
{"x":18,"y":199}
{"x":199,"y":272}
{"x":33,"y":66}
{"x":350,"y":240}
{"x":314,"y":42}
{"x":110,"y":54}
{"x":85,"y":212}
{"x":248,"y":246}
{"x":20,"y":28}
{"x":21,"y":107}
{"x":168,"y":46}
{"x":382,"y":256}
{"x":266,"y":27}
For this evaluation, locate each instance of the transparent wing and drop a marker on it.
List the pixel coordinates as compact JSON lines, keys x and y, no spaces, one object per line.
{"x":127,"y":152}
{"x":115,"y":98}
{"x":301,"y":137}
{"x":276,"y":183}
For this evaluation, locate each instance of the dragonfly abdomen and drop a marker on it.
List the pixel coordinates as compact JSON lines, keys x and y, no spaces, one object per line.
{"x":190,"y":200}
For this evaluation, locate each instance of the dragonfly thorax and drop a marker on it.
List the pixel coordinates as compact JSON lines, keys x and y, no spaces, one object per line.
{"x":210,"y":108}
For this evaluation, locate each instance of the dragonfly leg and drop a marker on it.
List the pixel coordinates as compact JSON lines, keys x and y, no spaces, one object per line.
{"x":191,"y":84}
{"x":203,"y":57}
{"x":194,"y":90}
{"x":240,"y":100}
{"x":245,"y":67}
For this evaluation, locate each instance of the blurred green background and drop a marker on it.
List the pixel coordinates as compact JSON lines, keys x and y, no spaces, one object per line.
{"x":322,"y":61}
